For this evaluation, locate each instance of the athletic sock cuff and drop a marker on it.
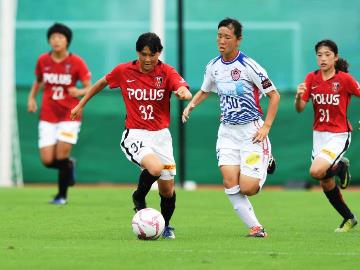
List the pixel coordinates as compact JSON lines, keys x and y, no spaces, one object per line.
{"x":62,"y":163}
{"x":148,"y":176}
{"x":233,"y":190}
{"x":172,"y":198}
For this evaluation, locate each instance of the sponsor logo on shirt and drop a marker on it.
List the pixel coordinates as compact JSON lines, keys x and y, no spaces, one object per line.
{"x":266,"y":83}
{"x":55,"y":78}
{"x":322,"y":99}
{"x":145,"y":94}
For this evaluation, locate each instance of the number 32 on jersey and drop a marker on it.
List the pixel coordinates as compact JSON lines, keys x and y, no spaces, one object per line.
{"x":147,"y":112}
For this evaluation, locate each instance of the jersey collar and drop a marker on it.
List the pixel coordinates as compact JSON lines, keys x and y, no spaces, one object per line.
{"x":232,"y":61}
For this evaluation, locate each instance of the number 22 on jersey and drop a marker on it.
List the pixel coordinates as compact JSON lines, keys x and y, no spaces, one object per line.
{"x":58,"y":92}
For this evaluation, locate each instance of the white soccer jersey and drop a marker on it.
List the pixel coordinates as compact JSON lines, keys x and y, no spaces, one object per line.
{"x":240,"y":85}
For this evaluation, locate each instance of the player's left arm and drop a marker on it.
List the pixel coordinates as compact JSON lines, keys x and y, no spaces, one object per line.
{"x":183,"y":93}
{"x":79,"y":92}
{"x":353,"y":86}
{"x":85,"y":78}
{"x":76,"y":112}
{"x":262,"y":133}
{"x":260,"y":78}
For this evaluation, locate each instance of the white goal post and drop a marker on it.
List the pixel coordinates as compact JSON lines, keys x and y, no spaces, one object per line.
{"x":157,"y":22}
{"x":10,"y":159}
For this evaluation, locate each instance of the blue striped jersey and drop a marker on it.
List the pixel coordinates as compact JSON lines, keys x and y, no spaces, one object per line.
{"x":240,"y":84}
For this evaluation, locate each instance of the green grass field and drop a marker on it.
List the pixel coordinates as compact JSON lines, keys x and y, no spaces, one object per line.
{"x":94,"y":232}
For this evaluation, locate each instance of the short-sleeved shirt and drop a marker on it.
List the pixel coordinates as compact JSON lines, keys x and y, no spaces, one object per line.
{"x":330,"y":100}
{"x":146,"y":95}
{"x":240,"y":84}
{"x":57,"y":78}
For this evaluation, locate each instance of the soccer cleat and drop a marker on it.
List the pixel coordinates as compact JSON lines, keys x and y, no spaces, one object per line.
{"x":58,"y":200}
{"x":168,"y":233}
{"x":347,"y":225}
{"x":257,"y":231}
{"x":138,"y":203}
{"x":72,"y":176}
{"x":271,"y":165}
{"x":344,"y":174}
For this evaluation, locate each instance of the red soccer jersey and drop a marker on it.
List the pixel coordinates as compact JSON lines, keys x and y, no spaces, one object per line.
{"x":146,"y":96}
{"x":57,"y":78}
{"x":330,"y":100}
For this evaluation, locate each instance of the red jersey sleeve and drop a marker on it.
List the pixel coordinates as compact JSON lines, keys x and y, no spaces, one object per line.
{"x":84,"y":72}
{"x":308,"y":82}
{"x":175,"y":80}
{"x":113,"y":78}
{"x":38,"y":70}
{"x":353,"y":87}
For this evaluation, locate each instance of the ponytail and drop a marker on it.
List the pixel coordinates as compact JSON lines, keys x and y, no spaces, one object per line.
{"x":342,"y":65}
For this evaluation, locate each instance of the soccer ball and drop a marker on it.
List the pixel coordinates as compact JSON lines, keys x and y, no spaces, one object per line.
{"x":148,"y":224}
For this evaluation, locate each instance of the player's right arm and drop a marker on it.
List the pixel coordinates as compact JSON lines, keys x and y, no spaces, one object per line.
{"x":96,"y":88}
{"x":32,"y":106}
{"x":299,"y":103}
{"x":206,"y":87}
{"x":199,"y":97}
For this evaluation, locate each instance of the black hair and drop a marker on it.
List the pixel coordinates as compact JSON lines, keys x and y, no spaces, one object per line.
{"x":232,"y":23}
{"x":62,"y":29}
{"x":151,"y":40}
{"x":341,"y":64}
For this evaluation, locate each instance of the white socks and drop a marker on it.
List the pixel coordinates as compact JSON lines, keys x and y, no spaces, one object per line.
{"x":242,"y":206}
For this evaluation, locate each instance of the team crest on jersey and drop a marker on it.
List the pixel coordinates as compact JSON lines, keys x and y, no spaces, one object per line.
{"x":335,"y":86}
{"x":235,"y":74}
{"x":67,"y":68}
{"x":158,"y":81}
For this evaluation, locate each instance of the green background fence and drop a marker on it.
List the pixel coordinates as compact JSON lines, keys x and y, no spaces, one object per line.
{"x":280,"y":35}
{"x":100,"y":158}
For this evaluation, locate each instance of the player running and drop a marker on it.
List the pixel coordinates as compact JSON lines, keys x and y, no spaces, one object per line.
{"x":243,"y":147}
{"x":330,"y":89}
{"x":57,"y":72}
{"x":146,"y":86}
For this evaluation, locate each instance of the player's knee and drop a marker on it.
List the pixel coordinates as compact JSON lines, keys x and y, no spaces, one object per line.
{"x":327,"y":185}
{"x":317,"y":173}
{"x":47,"y":162}
{"x":155,"y":170}
{"x":166,"y":191}
{"x":249,"y":190}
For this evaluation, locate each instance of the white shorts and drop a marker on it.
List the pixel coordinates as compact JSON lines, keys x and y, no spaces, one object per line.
{"x":330,"y":146}
{"x":137,"y":143}
{"x":234,"y":146}
{"x":51,"y":133}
